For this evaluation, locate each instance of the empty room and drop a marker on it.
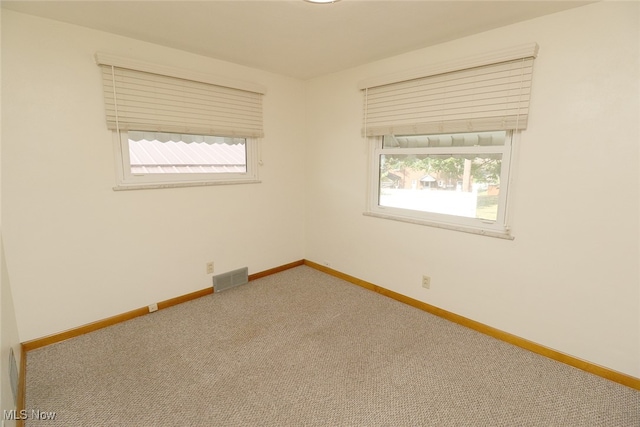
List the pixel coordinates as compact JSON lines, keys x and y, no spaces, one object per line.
{"x":352,"y":212}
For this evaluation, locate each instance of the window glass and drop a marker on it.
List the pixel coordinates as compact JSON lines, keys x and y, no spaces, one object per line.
{"x":152,"y":159}
{"x":456,"y":179}
{"x":466,"y":186}
{"x":157,"y":152}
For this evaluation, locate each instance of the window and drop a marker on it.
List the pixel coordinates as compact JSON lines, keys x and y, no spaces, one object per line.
{"x":458,"y":179}
{"x":177,"y":127}
{"x":441,"y":140}
{"x":163,"y":158}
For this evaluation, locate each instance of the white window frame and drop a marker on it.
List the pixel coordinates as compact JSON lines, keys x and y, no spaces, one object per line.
{"x":499,"y":228}
{"x":125,"y":180}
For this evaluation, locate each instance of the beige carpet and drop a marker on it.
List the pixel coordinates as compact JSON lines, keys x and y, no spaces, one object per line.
{"x":301,"y":348}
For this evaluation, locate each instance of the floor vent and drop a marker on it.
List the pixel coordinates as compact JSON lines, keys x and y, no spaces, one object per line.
{"x":13,"y":375}
{"x":229,"y":280}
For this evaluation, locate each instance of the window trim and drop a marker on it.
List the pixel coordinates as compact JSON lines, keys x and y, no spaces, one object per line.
{"x":499,"y":228}
{"x":125,"y":180}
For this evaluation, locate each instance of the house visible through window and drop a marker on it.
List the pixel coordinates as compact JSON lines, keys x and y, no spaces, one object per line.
{"x":459,"y":178}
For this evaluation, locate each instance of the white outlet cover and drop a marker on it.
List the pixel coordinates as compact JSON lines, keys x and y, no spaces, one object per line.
{"x":426,"y":282}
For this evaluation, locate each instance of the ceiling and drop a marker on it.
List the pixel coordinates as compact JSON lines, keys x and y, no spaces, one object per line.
{"x":293,"y":37}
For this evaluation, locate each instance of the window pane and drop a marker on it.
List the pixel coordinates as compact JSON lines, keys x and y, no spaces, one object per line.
{"x":161,"y":153}
{"x":459,"y":185}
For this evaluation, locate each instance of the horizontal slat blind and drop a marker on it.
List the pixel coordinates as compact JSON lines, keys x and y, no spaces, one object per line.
{"x":488,"y":97}
{"x":138,"y":100}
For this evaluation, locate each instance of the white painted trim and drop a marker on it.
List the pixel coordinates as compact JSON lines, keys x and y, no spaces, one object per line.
{"x":529,"y":50}
{"x":125,"y":187}
{"x":462,"y":228}
{"x":135,"y":64}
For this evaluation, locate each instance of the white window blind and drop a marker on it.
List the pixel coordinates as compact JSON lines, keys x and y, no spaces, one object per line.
{"x":137,"y":99}
{"x":478,"y":97}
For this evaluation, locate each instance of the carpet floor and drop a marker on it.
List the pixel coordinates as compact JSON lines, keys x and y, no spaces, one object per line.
{"x":302,"y":348}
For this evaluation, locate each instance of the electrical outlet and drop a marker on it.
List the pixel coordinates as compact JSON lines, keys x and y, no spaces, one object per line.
{"x":426,"y":282}
{"x":153,"y":307}
{"x":210,"y":267}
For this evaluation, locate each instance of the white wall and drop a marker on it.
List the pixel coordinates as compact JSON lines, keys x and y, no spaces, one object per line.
{"x":78,"y":251}
{"x":570,"y":279}
{"x":8,"y":337}
{"x":8,"y":326}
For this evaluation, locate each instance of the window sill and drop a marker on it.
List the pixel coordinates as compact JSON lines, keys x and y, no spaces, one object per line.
{"x":156,"y":186}
{"x":465,"y":229}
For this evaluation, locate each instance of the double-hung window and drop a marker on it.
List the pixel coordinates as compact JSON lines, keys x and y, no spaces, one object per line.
{"x":441,"y":141}
{"x":176,"y":127}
